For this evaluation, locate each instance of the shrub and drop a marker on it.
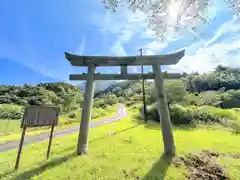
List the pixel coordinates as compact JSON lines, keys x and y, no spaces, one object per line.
{"x":175,"y":91}
{"x":231,"y":99}
{"x":205,"y":117}
{"x":220,"y":113}
{"x":97,"y":112}
{"x":8,"y":111}
{"x":181,"y":115}
{"x":72,"y":116}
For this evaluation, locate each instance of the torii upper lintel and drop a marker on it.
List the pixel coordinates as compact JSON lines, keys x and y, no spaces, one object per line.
{"x":147,"y":60}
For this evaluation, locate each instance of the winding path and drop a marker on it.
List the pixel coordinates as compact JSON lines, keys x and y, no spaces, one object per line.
{"x":6,"y":146}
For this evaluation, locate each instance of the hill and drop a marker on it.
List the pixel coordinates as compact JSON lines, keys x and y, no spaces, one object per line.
{"x":219,"y":88}
{"x":66,"y":96}
{"x":99,"y":85}
{"x":42,"y":94}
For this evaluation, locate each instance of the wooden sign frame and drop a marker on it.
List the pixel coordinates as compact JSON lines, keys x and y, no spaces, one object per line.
{"x":34,"y":116}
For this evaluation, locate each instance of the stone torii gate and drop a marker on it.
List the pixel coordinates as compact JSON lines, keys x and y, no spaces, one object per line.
{"x":156,"y":61}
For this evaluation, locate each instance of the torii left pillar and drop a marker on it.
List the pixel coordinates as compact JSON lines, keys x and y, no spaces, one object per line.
{"x":82,"y":147}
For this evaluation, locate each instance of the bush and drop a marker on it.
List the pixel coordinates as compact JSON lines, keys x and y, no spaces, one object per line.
{"x":8,"y":111}
{"x":231,"y":99}
{"x":97,"y":113}
{"x":175,"y":91}
{"x":181,"y":115}
{"x":72,"y":116}
{"x":205,"y":117}
{"x":230,"y":114}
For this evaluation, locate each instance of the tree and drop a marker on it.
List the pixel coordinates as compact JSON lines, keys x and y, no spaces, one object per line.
{"x":171,"y":15}
{"x":175,"y":91}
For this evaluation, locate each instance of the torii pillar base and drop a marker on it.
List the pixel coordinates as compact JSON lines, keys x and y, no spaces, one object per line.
{"x":82,"y":147}
{"x":167,"y":134}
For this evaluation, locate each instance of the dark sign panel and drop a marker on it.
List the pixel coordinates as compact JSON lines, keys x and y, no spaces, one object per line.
{"x":35,"y":116}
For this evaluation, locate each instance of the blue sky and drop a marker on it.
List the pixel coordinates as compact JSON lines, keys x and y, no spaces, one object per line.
{"x":35,"y":34}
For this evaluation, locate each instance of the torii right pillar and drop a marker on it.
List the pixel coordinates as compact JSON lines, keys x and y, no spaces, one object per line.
{"x":166,"y":125}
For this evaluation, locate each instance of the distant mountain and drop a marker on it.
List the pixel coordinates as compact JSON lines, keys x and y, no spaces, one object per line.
{"x":13,"y":73}
{"x":82,"y":86}
{"x":113,"y":87}
{"x":99,"y":85}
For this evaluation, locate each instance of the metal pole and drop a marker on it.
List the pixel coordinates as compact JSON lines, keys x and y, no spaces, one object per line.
{"x":143,"y":93}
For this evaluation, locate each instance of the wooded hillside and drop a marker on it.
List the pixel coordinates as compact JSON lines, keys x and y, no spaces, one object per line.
{"x":217,"y":88}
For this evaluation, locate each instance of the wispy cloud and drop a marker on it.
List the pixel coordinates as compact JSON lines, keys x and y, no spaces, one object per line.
{"x":130,"y":32}
{"x":121,"y":33}
{"x":81,"y":48}
{"x":223,"y":48}
{"x":228,"y":28}
{"x":118,"y":49}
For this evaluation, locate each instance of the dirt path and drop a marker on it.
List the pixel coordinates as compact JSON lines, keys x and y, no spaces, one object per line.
{"x":6,"y":146}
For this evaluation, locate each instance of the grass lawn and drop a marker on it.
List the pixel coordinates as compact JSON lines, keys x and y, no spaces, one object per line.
{"x":10,"y":129}
{"x":133,"y":151}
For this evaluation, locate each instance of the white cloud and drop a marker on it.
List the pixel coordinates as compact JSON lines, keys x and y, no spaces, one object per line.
{"x":155,"y":47}
{"x":223,"y":48}
{"x":202,"y":56}
{"x":129,"y":28}
{"x":229,"y":27}
{"x":207,"y":58}
{"x":123,"y":25}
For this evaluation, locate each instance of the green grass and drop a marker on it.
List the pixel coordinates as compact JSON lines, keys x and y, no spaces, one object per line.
{"x":10,"y":129}
{"x":99,"y":113}
{"x":11,"y":107}
{"x":232,"y":166}
{"x":9,"y":126}
{"x":134,"y":151}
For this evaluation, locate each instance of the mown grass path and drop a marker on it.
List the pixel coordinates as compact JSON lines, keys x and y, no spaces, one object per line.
{"x":6,"y":146}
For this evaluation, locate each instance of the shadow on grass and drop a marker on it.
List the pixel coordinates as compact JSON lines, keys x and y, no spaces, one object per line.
{"x":55,"y":162}
{"x":6,"y":174}
{"x":33,"y":172}
{"x":159,"y":168}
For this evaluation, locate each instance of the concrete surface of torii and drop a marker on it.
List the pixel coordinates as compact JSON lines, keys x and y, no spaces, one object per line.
{"x":156,"y":61}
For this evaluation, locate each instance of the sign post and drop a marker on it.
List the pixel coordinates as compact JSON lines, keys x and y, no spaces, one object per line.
{"x":50,"y":141}
{"x":37,"y":116}
{"x":20,"y":147}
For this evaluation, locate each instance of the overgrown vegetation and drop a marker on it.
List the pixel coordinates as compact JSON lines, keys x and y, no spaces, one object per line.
{"x":210,"y":97}
{"x":207,"y":98}
{"x":123,"y":150}
{"x":218,"y":88}
{"x":204,"y":119}
{"x":66,"y":96}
